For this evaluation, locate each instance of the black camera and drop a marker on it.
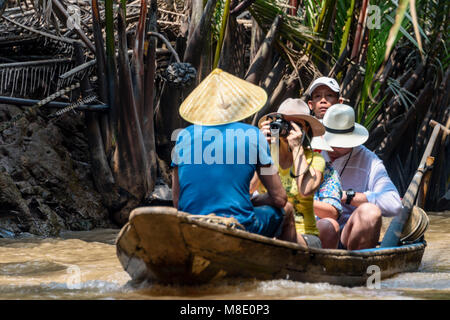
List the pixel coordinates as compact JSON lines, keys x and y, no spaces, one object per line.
{"x":280,"y":124}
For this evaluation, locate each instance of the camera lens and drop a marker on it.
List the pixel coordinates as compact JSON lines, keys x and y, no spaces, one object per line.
{"x":282,"y":126}
{"x":275,"y":125}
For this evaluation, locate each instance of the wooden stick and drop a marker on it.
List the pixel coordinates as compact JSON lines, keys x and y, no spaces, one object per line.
{"x":437,"y":182}
{"x":424,"y":186}
{"x":408,"y":199}
{"x":444,"y":129}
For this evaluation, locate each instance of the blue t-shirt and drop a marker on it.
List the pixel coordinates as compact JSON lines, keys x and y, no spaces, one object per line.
{"x":215,"y":166}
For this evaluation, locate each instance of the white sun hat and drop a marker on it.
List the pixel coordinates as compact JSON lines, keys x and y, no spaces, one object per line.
{"x":323,"y":81}
{"x":222,"y":98}
{"x":320,"y":143}
{"x":341,"y":129}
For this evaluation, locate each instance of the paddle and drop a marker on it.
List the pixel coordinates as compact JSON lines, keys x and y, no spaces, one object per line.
{"x":393,"y":233}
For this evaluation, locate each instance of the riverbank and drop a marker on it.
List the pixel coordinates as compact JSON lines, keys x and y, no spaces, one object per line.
{"x":46,"y":183}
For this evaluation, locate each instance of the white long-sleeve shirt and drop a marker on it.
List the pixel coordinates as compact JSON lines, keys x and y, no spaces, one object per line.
{"x":365,"y":173}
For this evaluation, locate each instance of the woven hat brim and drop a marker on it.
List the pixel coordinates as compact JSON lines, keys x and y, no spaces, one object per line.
{"x":317,"y":128}
{"x":222,"y":98}
{"x":348,"y":140}
{"x":412,"y":224}
{"x":416,"y":225}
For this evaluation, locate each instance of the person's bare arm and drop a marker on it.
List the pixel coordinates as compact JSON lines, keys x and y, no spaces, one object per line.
{"x":276,"y":195}
{"x":325,"y":210}
{"x":308,"y":179}
{"x":357,"y":200}
{"x":254,"y":183}
{"x":306,"y":182}
{"x":175,"y":187}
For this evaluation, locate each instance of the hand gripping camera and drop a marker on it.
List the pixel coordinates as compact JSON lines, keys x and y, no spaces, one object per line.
{"x":280,"y":124}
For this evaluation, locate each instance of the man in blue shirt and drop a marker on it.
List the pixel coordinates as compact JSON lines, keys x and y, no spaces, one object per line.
{"x":215,"y":159}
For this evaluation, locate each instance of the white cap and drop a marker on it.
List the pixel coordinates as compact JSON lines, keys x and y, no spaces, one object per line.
{"x":323,"y":81}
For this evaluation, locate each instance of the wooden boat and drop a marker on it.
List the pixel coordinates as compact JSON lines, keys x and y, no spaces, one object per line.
{"x":164,"y":245}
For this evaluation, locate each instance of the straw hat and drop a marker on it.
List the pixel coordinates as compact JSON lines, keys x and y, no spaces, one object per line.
{"x":341,"y":129}
{"x":416,"y":225}
{"x":294,"y":110}
{"x":222,"y":98}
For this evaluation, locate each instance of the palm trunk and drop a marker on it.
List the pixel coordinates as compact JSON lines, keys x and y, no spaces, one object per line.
{"x":272,"y":80}
{"x":389,"y":144}
{"x":359,"y":30}
{"x":111,"y":70}
{"x":130,"y":165}
{"x":137,"y":61}
{"x":255,"y":72}
{"x":232,"y":58}
{"x":101,"y":71}
{"x":147,"y":124}
{"x":196,"y":15}
{"x":257,"y":37}
{"x":294,"y":4}
{"x":195,"y":45}
{"x":103,"y":178}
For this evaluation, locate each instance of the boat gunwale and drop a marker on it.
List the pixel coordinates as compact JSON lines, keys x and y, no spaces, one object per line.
{"x":190,"y":219}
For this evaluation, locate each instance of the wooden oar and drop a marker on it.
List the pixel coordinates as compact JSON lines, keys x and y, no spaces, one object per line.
{"x":393,"y":233}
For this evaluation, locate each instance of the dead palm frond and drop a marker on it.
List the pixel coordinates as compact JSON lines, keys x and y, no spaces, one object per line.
{"x":24,"y":78}
{"x":291,"y":29}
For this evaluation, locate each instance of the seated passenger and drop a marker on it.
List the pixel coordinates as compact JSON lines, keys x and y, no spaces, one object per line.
{"x":369,"y":193}
{"x":215,"y":158}
{"x":301,"y":169}
{"x":322,"y":94}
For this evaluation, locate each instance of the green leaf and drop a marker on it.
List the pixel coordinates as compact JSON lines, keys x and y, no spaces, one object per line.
{"x":226,"y":12}
{"x":401,"y":9}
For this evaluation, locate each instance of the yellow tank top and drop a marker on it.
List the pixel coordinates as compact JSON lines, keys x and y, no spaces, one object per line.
{"x":305,"y":221}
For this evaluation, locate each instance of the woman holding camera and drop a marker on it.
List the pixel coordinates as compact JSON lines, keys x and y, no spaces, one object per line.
{"x":300,"y":168}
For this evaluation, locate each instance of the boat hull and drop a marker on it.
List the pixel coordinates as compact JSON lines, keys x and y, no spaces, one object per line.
{"x":164,"y":245}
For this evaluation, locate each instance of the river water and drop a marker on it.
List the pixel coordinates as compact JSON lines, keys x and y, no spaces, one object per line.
{"x":83,"y":265}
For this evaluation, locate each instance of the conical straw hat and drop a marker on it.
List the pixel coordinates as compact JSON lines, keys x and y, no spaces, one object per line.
{"x":222,"y":98}
{"x":416,"y":225}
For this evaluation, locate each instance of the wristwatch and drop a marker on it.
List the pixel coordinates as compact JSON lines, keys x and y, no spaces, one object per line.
{"x":350,"y":195}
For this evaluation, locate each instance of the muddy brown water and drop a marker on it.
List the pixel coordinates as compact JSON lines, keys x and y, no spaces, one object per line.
{"x":83,"y":265}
